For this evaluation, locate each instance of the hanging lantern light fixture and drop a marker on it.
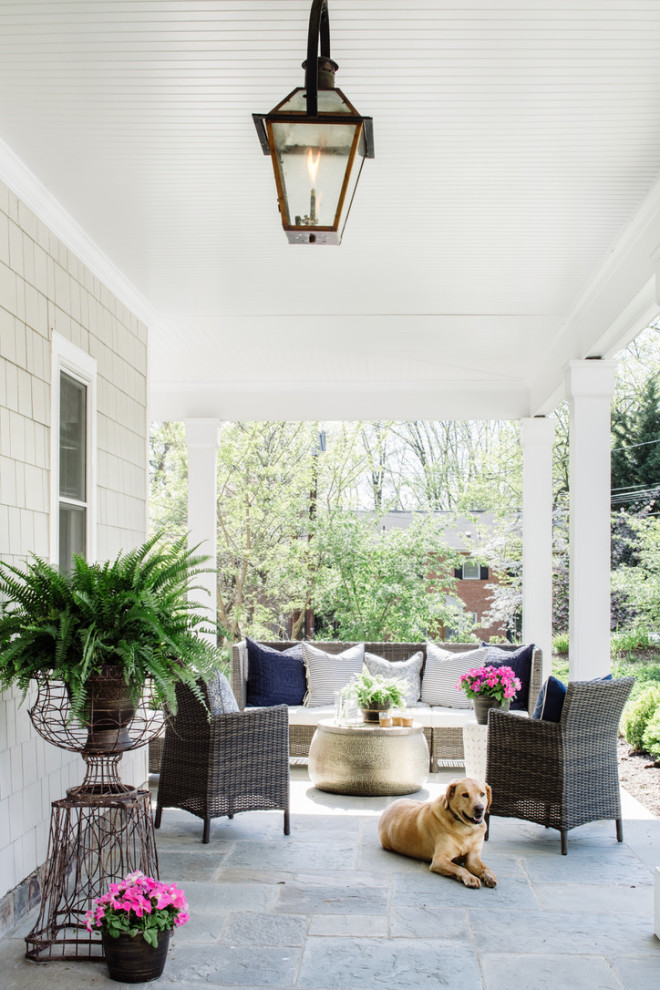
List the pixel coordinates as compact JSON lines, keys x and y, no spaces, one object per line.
{"x":318,"y":143}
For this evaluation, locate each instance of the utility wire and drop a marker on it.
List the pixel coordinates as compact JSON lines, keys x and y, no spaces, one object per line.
{"x":629,"y":446}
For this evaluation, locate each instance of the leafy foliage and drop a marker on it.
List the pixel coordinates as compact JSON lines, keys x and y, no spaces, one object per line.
{"x":639,"y":585}
{"x":138,"y":905}
{"x":651,"y":737}
{"x":376,"y":583}
{"x":133,"y":613}
{"x":636,"y":454}
{"x":638,"y":714}
{"x":370,"y":691}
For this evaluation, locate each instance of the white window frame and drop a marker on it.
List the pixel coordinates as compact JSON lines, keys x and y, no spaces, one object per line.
{"x":471,"y":577}
{"x":73,"y":361}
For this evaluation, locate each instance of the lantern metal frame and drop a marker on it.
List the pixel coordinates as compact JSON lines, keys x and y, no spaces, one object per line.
{"x":319,"y":71}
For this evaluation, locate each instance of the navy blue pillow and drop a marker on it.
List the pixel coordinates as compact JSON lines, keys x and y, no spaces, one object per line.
{"x":274,"y":677}
{"x":550,"y":701}
{"x":520,"y":661}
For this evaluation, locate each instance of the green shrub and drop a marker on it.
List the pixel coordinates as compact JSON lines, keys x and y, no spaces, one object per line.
{"x":630,"y":640}
{"x":560,"y":643}
{"x":651,"y":737}
{"x":638,"y":714}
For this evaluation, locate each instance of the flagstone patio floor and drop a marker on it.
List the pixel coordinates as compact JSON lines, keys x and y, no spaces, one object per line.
{"x":327,"y":909}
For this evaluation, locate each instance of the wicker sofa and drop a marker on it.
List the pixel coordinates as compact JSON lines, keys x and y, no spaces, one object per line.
{"x":443,"y":727}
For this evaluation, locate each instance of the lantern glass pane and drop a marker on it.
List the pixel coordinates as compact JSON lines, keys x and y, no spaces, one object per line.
{"x":312,"y":159}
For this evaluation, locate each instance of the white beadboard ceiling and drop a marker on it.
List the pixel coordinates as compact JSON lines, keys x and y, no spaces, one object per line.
{"x":507,"y":224}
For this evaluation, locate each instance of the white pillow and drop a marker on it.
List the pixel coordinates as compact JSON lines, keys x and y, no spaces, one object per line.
{"x":409,"y":671}
{"x":441,"y":673}
{"x":329,"y":672}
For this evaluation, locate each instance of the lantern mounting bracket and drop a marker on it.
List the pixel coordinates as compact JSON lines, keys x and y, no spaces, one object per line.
{"x":319,"y":28}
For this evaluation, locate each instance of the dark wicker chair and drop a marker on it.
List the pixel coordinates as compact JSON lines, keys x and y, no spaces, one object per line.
{"x":226,"y":764}
{"x":560,"y":774}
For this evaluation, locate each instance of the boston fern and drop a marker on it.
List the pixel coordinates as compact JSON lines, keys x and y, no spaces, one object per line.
{"x":377,"y":690}
{"x":132,"y":613}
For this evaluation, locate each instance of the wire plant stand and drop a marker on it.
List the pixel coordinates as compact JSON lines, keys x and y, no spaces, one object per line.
{"x":103,"y":829}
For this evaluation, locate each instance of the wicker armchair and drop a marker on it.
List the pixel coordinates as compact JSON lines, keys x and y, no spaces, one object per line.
{"x":226,"y":763}
{"x":560,"y":774}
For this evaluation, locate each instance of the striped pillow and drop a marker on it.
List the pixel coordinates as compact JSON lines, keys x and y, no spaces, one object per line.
{"x":441,"y":672}
{"x":327,"y":672}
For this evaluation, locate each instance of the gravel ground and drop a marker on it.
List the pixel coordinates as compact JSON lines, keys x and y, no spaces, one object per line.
{"x":640,"y":776}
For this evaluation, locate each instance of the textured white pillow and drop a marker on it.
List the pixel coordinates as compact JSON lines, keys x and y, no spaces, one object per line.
{"x":441,"y":673}
{"x":329,"y":672}
{"x":409,"y":671}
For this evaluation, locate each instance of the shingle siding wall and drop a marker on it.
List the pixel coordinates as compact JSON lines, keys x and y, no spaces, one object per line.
{"x":45,"y":288}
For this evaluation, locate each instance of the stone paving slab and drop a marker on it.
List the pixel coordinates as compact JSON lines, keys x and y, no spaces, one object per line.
{"x":563,"y":932}
{"x":549,"y":972}
{"x":637,"y":972}
{"x":429,"y":922}
{"x":332,"y":899}
{"x":231,"y":965}
{"x":590,"y":866}
{"x":225,"y":897}
{"x":435,"y":890}
{"x":400,"y":964}
{"x":261,"y":928}
{"x":353,"y":925}
{"x":205,"y":927}
{"x":628,"y":899}
{"x":180,"y":867}
{"x":305,"y":878}
{"x":333,"y":855}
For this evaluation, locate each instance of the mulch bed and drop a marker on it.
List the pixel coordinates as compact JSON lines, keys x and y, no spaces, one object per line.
{"x":639,"y":773}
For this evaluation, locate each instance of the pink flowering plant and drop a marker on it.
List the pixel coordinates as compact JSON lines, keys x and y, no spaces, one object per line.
{"x":138,"y":905}
{"x":500,"y":683}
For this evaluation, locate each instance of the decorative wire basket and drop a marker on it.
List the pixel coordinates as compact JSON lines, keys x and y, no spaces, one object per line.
{"x":108,"y":725}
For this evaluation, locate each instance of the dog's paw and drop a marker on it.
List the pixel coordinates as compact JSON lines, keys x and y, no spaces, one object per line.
{"x":471,"y":881}
{"x":488,"y":879}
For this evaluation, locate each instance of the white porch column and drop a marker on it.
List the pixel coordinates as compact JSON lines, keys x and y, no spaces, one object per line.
{"x":590,"y":385}
{"x":536,"y":436}
{"x":202,"y":443}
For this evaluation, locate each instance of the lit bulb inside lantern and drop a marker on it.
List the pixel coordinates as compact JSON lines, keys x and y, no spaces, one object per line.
{"x":313,"y":162}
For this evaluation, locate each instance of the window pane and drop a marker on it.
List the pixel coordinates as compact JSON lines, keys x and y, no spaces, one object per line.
{"x":73,"y":428}
{"x":471,"y":571}
{"x":73,"y":520}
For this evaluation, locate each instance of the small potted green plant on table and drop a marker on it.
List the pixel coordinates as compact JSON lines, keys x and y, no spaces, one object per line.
{"x":376,"y":694}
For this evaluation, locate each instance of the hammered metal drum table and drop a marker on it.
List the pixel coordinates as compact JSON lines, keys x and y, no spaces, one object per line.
{"x":368,"y":760}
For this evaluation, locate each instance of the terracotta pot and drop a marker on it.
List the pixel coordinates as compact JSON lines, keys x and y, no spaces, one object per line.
{"x":132,"y":960}
{"x":483,"y":704}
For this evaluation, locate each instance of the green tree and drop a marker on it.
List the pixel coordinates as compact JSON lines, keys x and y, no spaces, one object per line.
{"x":374,"y":583}
{"x":639,"y":584}
{"x":264,"y":485}
{"x":168,"y":480}
{"x":636,"y":451}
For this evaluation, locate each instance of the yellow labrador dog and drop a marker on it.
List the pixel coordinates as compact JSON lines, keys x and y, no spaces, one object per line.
{"x":449,"y":831}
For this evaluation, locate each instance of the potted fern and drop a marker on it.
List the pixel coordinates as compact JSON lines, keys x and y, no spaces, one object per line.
{"x":376,"y":694}
{"x":104,"y":630}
